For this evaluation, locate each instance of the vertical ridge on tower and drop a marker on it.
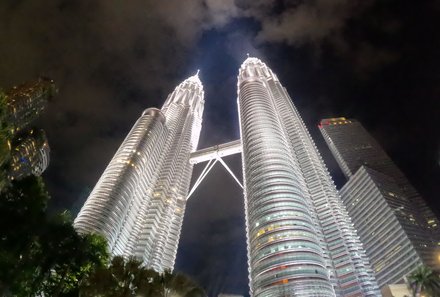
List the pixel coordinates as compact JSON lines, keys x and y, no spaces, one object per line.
{"x":300,"y":239}
{"x":139,"y":202}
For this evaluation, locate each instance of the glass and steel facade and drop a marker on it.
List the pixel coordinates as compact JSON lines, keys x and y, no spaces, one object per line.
{"x":126,"y":184}
{"x":398,"y":230}
{"x":386,"y":224}
{"x":162,"y":221}
{"x":352,"y":146}
{"x":300,"y":239}
{"x":139,"y":201}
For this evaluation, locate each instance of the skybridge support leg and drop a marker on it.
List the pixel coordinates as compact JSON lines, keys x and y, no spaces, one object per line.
{"x":213,"y":155}
{"x":230,"y":171}
{"x":202,"y":176}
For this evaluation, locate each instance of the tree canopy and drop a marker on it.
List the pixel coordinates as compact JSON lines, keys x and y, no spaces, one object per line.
{"x":38,"y":252}
{"x":126,"y":278}
{"x":425,"y":280}
{"x":43,"y":255}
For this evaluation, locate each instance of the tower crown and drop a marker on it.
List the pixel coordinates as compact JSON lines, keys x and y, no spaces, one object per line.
{"x":195,"y":79}
{"x":252,"y":60}
{"x":188,"y":93}
{"x":253,"y":68}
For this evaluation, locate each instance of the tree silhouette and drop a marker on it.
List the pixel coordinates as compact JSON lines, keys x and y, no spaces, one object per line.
{"x":126,"y":278}
{"x":120,"y":279}
{"x":41,"y":254}
{"x":424,"y":280}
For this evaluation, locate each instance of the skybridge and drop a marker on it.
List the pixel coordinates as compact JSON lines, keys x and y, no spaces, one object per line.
{"x":212,"y":155}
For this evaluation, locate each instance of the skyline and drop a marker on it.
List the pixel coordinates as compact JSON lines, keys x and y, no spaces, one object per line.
{"x":377,"y":63}
{"x":202,"y":91}
{"x":296,"y":243}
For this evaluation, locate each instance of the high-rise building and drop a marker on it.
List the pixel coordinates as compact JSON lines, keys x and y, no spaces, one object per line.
{"x":139,"y":202}
{"x":29,"y":154}
{"x":25,"y":102}
{"x":162,"y":221}
{"x":352,"y":146}
{"x":398,"y":230}
{"x":300,"y":238}
{"x":27,"y":148}
{"x":126,"y":184}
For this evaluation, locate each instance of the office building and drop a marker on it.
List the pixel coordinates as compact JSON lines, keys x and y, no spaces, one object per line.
{"x":25,"y":102}
{"x":139,"y":202}
{"x":300,"y":239}
{"x":352,"y":146}
{"x":29,"y":154}
{"x":394,"y":224}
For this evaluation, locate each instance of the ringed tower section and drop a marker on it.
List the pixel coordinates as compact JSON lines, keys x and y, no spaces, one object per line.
{"x":284,"y":251}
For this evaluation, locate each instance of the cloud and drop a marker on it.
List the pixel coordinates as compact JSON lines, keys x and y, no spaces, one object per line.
{"x":321,"y":24}
{"x":112,"y":59}
{"x":221,"y":12}
{"x":369,"y":58}
{"x":109,"y":60}
{"x":189,"y":18}
{"x":308,"y":21}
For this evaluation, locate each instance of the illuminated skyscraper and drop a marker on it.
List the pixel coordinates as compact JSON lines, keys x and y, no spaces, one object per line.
{"x":29,"y":154}
{"x":300,"y":239}
{"x":139,"y":202}
{"x":28,"y":147}
{"x":352,"y":146}
{"x":398,"y":230}
{"x":161,"y":223}
{"x":25,"y":102}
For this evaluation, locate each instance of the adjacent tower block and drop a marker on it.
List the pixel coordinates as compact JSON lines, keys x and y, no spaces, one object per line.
{"x":397,"y":228}
{"x":139,"y":202}
{"x":300,"y":239}
{"x":25,"y":102}
{"x":29,"y":154}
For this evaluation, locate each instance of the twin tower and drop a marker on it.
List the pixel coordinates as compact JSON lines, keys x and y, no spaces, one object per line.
{"x":300,"y":239}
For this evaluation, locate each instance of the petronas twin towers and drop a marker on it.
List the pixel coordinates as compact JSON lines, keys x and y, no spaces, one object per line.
{"x":139,"y":202}
{"x":300,"y":239}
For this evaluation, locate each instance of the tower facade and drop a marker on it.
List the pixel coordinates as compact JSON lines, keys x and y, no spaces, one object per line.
{"x":29,"y":154}
{"x":25,"y":102}
{"x":352,"y":146}
{"x":163,"y":216}
{"x":300,"y":239}
{"x":139,"y":201}
{"x":397,"y":228}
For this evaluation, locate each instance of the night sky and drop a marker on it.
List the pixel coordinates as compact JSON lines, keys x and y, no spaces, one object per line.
{"x":376,"y":61}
